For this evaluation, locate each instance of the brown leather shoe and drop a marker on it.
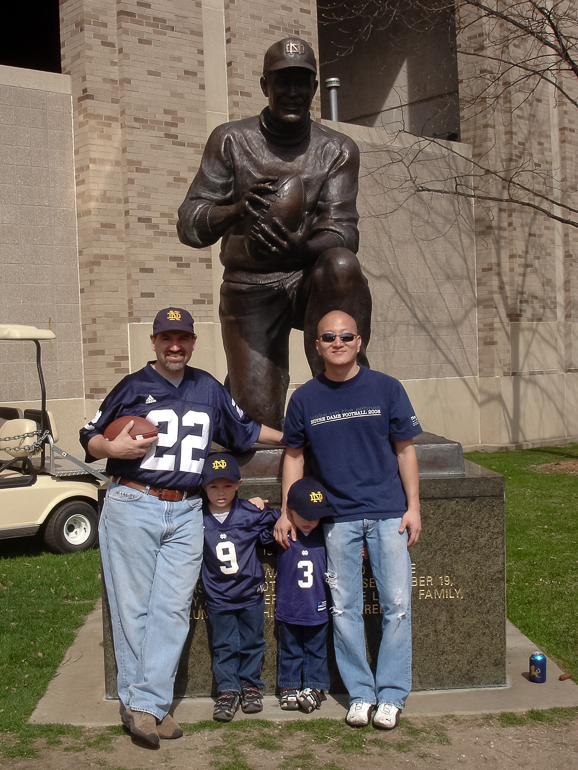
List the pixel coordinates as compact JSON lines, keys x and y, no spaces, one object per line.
{"x":144,"y":727}
{"x":169,"y":728}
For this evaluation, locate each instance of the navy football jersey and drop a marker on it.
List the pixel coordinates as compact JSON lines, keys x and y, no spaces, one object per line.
{"x":232,"y":574}
{"x":188,"y":418}
{"x":301,"y":592}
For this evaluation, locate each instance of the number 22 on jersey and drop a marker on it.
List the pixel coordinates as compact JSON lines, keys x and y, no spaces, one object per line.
{"x":169,"y":439}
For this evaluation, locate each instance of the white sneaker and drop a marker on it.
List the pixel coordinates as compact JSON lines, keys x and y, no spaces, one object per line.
{"x":387,"y":716}
{"x":359,"y":714}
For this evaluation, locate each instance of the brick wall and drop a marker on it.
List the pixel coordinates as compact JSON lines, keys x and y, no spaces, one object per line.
{"x":251,"y":26}
{"x":138,"y":96}
{"x":512,"y":130}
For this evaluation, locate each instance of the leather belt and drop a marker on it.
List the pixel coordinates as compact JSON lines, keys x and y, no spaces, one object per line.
{"x":170,"y":495}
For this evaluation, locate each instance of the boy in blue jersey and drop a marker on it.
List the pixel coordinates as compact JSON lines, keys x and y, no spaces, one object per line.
{"x":151,"y":528}
{"x":233,"y":581}
{"x":302,"y":617}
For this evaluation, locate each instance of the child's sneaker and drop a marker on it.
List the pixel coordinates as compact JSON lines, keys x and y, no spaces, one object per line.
{"x":288,"y":699}
{"x":309,"y":699}
{"x":226,"y":706}
{"x":251,"y":698}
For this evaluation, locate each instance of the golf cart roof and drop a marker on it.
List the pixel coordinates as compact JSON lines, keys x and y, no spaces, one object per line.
{"x":21,"y":332}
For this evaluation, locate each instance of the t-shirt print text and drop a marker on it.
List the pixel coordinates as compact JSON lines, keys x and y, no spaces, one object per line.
{"x":346,"y":415}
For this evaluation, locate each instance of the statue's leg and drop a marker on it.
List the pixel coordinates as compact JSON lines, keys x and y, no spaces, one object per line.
{"x":336,"y":283}
{"x":256,"y":323}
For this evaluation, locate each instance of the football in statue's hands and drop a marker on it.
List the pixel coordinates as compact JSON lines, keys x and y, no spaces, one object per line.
{"x":287,"y":204}
{"x":142,"y":427}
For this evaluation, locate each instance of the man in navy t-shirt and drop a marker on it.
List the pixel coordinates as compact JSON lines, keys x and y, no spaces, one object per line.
{"x":360,"y":425}
{"x":151,"y":528}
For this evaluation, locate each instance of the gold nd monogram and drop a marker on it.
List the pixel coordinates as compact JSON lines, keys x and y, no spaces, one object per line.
{"x":173,"y":315}
{"x":316,"y":497}
{"x":219,"y":464}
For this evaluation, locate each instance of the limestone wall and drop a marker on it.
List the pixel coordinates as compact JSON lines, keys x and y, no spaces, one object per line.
{"x":38,"y":250}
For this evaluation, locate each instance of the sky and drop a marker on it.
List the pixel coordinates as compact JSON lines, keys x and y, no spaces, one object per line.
{"x":30,"y":35}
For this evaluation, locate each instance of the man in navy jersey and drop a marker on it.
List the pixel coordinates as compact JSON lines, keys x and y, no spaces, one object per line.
{"x":151,"y":528}
{"x":233,"y":581}
{"x":360,"y":424}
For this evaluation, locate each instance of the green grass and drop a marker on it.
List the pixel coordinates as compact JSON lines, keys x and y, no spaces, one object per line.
{"x":44,"y":598}
{"x":542,"y":548}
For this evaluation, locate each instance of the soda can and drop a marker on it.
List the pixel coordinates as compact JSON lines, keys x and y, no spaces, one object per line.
{"x":537,"y":667}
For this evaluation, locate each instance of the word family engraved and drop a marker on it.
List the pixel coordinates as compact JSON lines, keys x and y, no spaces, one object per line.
{"x":435,"y":586}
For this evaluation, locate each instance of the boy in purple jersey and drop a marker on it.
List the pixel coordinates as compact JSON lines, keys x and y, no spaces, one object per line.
{"x":302,"y":602}
{"x":151,"y":527}
{"x":233,"y":581}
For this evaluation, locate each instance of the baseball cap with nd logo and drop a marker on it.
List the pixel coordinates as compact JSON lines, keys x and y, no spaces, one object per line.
{"x":173,"y":319}
{"x":220,"y":466}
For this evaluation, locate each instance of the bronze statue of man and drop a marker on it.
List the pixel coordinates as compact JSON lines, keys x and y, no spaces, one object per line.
{"x":279,"y":274}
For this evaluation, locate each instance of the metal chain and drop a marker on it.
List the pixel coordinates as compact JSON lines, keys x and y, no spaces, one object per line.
{"x":28,"y":447}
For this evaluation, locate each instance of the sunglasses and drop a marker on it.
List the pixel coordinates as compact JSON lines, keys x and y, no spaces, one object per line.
{"x":331,"y":336}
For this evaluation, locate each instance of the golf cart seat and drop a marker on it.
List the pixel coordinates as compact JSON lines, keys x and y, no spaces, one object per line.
{"x":10,"y":413}
{"x":16,"y":468}
{"x":14,"y":446}
{"x":36,"y":415}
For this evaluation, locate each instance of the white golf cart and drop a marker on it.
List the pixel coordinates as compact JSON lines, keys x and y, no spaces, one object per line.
{"x":42,"y":488}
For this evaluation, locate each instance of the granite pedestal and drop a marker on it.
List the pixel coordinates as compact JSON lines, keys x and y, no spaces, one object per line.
{"x":459,"y":588}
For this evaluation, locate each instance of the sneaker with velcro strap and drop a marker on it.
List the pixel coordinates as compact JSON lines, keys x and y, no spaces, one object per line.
{"x":288,"y":699}
{"x":251,"y":699}
{"x":226,"y":706}
{"x":309,"y":699}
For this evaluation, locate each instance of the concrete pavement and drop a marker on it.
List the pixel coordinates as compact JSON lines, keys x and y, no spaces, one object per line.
{"x":76,"y":694}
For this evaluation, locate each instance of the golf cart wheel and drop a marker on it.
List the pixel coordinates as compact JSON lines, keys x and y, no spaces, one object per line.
{"x":73,"y":526}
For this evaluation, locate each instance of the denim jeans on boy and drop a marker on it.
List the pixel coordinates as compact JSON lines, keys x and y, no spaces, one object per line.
{"x":302,"y":653}
{"x":238,"y":646}
{"x":391,"y":568}
{"x":151,"y":557}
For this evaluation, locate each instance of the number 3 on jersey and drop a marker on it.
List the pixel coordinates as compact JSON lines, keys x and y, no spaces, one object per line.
{"x":170,"y":439}
{"x":307,"y":567}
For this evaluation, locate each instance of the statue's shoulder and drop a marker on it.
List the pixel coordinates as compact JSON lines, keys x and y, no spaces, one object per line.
{"x":237,"y":127}
{"x":331,"y":136}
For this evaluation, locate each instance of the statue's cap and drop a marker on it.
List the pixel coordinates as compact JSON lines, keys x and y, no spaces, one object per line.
{"x":290,"y":52}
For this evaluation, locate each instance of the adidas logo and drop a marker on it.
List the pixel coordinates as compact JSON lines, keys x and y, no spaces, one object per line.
{"x":150,"y":400}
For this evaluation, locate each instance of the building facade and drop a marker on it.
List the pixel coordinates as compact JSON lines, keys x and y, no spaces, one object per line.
{"x":473,"y":301}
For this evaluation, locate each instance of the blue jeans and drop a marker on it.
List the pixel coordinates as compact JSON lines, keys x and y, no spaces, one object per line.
{"x":238,"y":646}
{"x":391,"y":568}
{"x":151,"y":557}
{"x":302,"y":652}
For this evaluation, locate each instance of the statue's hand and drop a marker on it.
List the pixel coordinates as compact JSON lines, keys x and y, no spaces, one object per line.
{"x":275,"y":239}
{"x":253,"y":203}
